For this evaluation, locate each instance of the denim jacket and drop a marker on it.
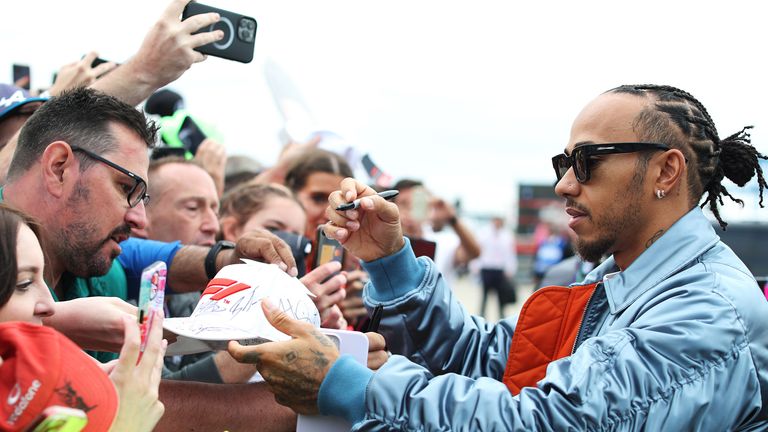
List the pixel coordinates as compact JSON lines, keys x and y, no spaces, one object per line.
{"x":683,"y":345}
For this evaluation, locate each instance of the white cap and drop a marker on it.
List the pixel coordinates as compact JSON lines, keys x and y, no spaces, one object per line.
{"x":230,"y":309}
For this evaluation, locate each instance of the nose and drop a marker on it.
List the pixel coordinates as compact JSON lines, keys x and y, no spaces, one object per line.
{"x":44,"y":307}
{"x":210,"y":225}
{"x":568,"y":185}
{"x":136,"y":217}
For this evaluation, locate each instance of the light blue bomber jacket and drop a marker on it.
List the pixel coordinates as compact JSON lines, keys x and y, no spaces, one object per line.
{"x":683,"y":346}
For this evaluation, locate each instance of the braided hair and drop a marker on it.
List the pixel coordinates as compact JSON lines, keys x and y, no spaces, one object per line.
{"x":682,"y":122}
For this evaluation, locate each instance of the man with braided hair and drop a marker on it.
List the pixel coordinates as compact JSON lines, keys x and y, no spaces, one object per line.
{"x":667,"y":334}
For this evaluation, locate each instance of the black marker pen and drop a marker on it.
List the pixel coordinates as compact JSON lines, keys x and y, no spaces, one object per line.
{"x":387,"y":195}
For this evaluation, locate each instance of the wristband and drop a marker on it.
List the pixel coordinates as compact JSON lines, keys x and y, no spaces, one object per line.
{"x":452,"y":221}
{"x":210,"y":259}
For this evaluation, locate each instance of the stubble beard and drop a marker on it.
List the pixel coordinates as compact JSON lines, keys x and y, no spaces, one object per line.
{"x":621,"y":216}
{"x":75,"y":246}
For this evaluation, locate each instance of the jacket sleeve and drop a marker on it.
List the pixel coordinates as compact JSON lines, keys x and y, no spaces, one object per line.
{"x":423,"y":320}
{"x":658,"y":374}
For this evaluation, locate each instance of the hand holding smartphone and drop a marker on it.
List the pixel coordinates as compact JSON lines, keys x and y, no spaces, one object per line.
{"x":239,"y":33}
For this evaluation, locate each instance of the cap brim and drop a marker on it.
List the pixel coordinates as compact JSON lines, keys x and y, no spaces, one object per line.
{"x":14,"y":106}
{"x":190,"y":341}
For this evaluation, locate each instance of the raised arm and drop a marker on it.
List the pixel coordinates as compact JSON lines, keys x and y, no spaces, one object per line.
{"x":165,"y":54}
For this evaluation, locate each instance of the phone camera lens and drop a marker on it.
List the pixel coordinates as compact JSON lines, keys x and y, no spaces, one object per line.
{"x":246,"y":30}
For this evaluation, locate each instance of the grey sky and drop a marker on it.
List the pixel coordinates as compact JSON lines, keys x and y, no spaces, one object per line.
{"x":473,"y":97}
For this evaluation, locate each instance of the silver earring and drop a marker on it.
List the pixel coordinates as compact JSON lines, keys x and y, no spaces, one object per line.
{"x":660,"y":193}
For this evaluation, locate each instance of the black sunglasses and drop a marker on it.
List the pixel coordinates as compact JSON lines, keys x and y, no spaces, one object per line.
{"x":139,"y":191}
{"x":580,"y":157}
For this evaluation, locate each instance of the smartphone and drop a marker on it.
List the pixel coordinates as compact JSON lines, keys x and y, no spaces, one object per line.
{"x":423,"y":247}
{"x":419,"y":204}
{"x":239,"y":33}
{"x":190,"y":135}
{"x":60,"y":419}
{"x":151,"y":297}
{"x":328,"y":249}
{"x":20,"y":72}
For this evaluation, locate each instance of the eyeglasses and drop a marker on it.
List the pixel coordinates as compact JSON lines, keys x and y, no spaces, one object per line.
{"x":581,"y":157}
{"x":137,"y":193}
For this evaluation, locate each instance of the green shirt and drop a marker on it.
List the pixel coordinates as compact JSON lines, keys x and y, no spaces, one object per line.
{"x":112,"y":284}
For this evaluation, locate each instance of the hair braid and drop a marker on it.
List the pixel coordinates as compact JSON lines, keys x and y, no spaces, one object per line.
{"x":733,"y":157}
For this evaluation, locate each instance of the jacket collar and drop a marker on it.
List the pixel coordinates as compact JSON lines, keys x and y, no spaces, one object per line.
{"x":683,"y":243}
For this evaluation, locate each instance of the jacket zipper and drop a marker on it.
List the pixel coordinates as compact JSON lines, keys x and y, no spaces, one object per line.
{"x":583,"y":317}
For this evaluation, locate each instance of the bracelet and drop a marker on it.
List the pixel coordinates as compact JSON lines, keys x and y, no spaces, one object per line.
{"x":210,"y":259}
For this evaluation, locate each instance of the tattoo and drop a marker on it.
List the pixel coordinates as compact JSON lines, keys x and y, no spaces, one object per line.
{"x":251,"y":357}
{"x":653,"y":238}
{"x":324,"y":341}
{"x":290,"y":357}
{"x":320,"y":360}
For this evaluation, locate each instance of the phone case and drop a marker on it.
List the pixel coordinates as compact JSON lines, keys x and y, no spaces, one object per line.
{"x":60,"y":419}
{"x":239,"y":33}
{"x":328,"y":249}
{"x":151,"y":297}
{"x":190,"y":135}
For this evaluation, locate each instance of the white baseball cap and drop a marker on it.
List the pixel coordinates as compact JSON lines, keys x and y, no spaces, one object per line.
{"x":230,"y":309}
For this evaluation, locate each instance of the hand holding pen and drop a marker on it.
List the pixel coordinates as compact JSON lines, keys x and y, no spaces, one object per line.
{"x":388,"y":195}
{"x":364,"y":221}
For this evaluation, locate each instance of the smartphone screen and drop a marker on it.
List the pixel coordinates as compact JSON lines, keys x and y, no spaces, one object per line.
{"x":151,"y":297}
{"x":19,"y":73}
{"x":328,"y":249}
{"x":190,"y":135}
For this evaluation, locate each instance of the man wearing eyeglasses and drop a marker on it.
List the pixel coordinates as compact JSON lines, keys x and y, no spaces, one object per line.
{"x":666,"y":334}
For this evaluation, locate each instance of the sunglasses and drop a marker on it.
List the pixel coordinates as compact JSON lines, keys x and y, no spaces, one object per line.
{"x":581,"y":157}
{"x":137,"y":193}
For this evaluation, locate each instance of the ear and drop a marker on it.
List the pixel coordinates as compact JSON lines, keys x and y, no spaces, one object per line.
{"x":672,"y":167}
{"x":60,"y":169}
{"x":230,"y":228}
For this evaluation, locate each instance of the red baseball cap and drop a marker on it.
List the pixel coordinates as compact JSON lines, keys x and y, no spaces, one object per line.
{"x":42,"y":368}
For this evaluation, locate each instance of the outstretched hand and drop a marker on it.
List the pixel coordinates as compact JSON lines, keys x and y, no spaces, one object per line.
{"x":294,"y":369}
{"x":370,"y":232}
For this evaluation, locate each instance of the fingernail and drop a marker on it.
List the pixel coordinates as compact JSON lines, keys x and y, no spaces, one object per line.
{"x":341,"y":234}
{"x":268,"y":304}
{"x":352,"y":214}
{"x":353,"y":225}
{"x":293,"y":271}
{"x":366,"y":203}
{"x":349,"y":196}
{"x":221,"y":34}
{"x":282,"y":266}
